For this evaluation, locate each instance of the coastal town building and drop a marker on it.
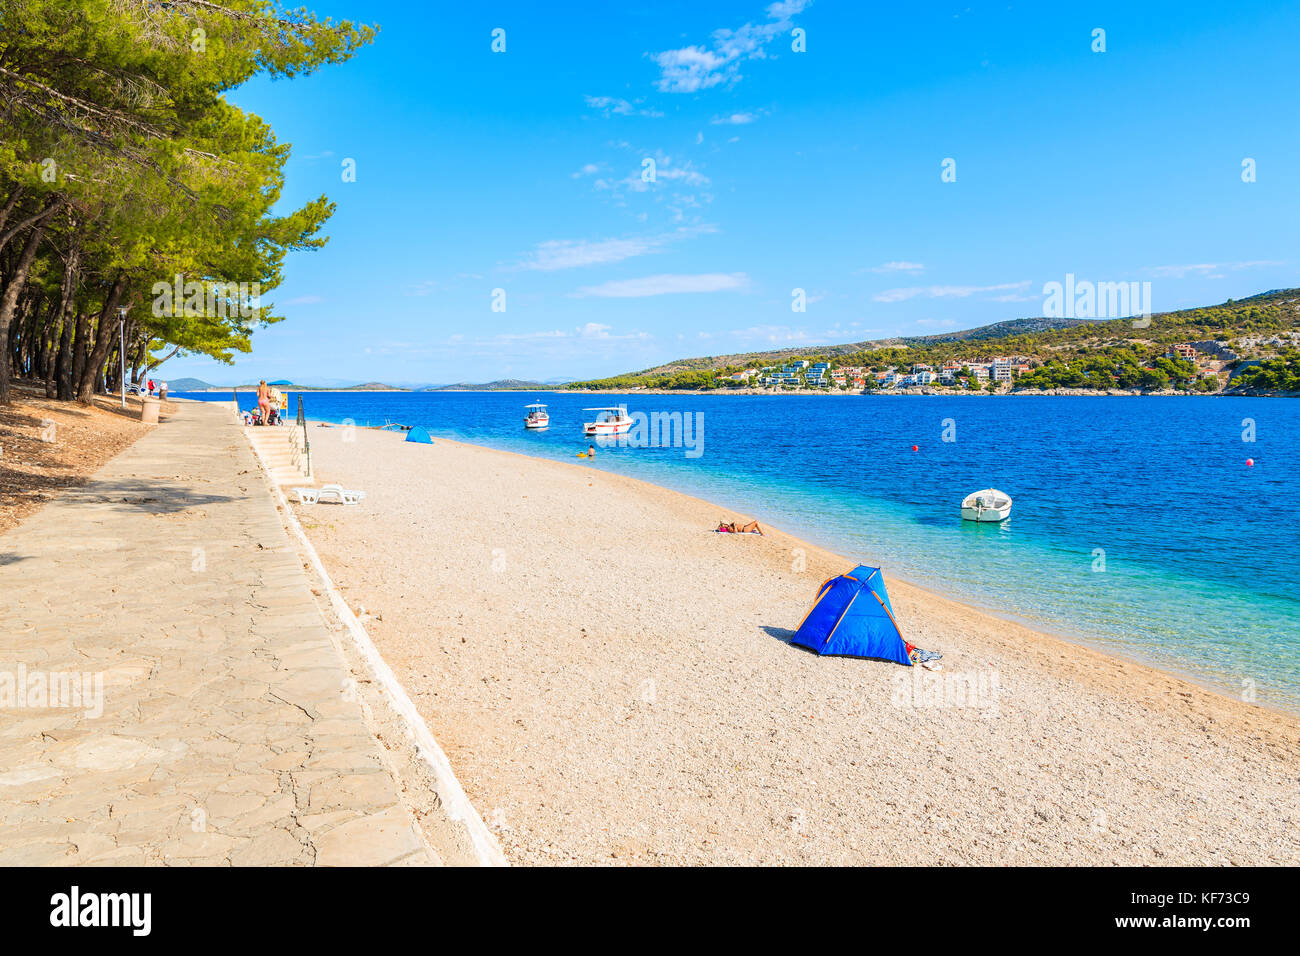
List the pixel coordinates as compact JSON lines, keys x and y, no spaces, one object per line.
{"x":818,"y":375}
{"x":1208,"y":357}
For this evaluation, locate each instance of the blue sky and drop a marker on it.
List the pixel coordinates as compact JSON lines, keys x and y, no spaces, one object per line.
{"x":775,"y":170}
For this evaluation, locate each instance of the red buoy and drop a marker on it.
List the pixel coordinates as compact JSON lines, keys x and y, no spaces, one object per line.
{"x":914,"y":448}
{"x":1250,"y":462}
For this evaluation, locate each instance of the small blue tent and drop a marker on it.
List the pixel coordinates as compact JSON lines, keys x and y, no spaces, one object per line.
{"x":852,"y":615}
{"x":418,"y":434}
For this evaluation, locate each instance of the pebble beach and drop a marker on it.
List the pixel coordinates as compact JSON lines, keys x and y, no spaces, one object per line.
{"x":613,"y":684}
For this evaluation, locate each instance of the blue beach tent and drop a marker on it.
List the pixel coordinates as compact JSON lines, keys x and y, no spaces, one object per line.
{"x":852,"y":615}
{"x":418,"y":434}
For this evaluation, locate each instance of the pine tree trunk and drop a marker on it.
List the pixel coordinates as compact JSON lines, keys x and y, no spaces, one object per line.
{"x":50,"y":347}
{"x":138,"y":360}
{"x":67,"y":302}
{"x":64,"y":364}
{"x":81,"y":348}
{"x":93,"y":373}
{"x":9,"y":302}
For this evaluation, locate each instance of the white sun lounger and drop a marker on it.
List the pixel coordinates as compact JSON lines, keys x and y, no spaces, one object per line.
{"x":329,"y":493}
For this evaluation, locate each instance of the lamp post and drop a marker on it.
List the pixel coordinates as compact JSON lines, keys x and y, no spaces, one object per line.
{"x":121,"y":348}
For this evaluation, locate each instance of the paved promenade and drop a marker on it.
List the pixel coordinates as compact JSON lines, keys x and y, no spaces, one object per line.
{"x":169,"y":692}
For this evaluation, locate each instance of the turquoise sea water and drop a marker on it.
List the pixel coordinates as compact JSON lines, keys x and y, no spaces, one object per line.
{"x":1138,"y":525}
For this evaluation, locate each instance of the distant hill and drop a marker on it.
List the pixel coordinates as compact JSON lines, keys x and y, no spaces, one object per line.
{"x":367,"y":387}
{"x":500,"y":385}
{"x":1005,"y":329}
{"x":1237,"y":331}
{"x":187,"y":385}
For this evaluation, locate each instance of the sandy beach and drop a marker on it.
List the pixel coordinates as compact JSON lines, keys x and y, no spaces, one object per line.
{"x":612,"y":683}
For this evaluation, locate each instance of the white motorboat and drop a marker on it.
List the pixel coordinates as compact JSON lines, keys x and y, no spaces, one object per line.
{"x":537,"y":416}
{"x":987,"y":505}
{"x":610,"y":420}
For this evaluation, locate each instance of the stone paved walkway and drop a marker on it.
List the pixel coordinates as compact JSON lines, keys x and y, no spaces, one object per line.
{"x":229,"y":733}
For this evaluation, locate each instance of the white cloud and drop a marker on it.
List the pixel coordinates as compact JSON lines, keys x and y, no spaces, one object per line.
{"x":590,"y":169}
{"x":575,"y":253}
{"x":430,"y":286}
{"x":770,"y":333}
{"x":735,"y":119}
{"x":506,"y":338}
{"x":604,"y":333}
{"x":557,"y":254}
{"x":791,"y":335}
{"x":1181,"y":272}
{"x":613,"y":106}
{"x":1206,"y":270}
{"x":666,"y":172}
{"x":666,"y":285}
{"x":898,"y":266}
{"x":583,"y":342}
{"x":684,"y":174}
{"x":690,"y":69}
{"x":946,"y":291}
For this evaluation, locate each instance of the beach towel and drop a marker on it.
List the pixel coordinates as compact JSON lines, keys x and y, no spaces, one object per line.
{"x":920,"y":655}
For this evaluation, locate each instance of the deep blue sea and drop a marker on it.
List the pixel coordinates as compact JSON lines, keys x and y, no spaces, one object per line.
{"x":1138,"y":526}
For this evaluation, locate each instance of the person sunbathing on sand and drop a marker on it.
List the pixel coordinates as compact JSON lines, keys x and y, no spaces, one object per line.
{"x":733,"y":528}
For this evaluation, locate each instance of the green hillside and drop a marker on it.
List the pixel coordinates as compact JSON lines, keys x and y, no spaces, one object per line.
{"x":1061,"y":353}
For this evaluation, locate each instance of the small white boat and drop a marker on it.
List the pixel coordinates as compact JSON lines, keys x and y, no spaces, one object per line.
{"x":610,"y":420}
{"x":987,"y":505}
{"x":537,"y":417}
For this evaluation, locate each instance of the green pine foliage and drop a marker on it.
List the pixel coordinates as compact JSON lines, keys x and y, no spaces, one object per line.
{"x":121,"y":154}
{"x":1281,"y":373}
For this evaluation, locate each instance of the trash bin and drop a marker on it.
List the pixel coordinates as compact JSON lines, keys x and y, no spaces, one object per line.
{"x":149,"y":410}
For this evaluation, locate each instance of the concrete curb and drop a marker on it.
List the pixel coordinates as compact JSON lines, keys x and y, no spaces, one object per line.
{"x":455,"y":802}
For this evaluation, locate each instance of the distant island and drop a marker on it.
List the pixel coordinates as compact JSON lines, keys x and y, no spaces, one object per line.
{"x":500,"y":385}
{"x":198,"y":385}
{"x":1246,"y":346}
